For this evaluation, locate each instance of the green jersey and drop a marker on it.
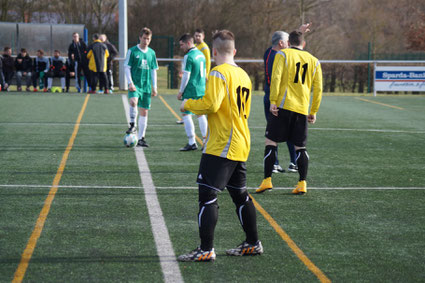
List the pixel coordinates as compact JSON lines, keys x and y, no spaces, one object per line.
{"x":141,"y":65}
{"x":194,"y":65}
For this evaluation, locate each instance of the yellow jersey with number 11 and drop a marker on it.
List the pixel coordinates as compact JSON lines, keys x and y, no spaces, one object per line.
{"x":295,"y":73}
{"x":227,"y":102}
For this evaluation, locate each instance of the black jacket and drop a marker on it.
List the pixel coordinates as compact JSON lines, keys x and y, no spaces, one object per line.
{"x":113,"y":52}
{"x":79,"y":50}
{"x":25,"y":65}
{"x":8,"y":64}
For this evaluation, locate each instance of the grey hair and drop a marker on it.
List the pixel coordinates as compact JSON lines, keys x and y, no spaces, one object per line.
{"x":278,"y":36}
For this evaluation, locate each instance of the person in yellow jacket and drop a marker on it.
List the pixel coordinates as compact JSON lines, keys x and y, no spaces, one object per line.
{"x":295,"y":73}
{"x":227,"y":101}
{"x":97,"y":56}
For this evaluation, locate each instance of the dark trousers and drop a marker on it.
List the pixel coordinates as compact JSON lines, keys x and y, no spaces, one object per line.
{"x":98,"y":76}
{"x":81,"y":70}
{"x":39,"y":78}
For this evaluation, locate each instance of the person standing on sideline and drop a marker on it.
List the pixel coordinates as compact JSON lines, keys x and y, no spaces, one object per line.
{"x":23,"y":67}
{"x":98,"y":55}
{"x":279,"y":41}
{"x":227,"y":102}
{"x":77,"y":53}
{"x":141,"y":73}
{"x":113,"y":52}
{"x":295,"y":73}
{"x":192,"y":86}
{"x":199,"y":37}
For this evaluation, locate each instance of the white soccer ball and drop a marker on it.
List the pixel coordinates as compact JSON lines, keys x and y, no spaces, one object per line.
{"x":130,"y":140}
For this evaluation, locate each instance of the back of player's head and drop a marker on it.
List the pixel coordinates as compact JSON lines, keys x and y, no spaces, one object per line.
{"x":187,"y":37}
{"x":96,"y":36}
{"x":199,"y":30}
{"x":296,"y":38}
{"x":278,"y":36}
{"x":146,"y":31}
{"x":224,"y":41}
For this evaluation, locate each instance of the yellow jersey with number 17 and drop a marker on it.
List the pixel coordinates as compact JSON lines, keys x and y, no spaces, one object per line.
{"x":295,"y":72}
{"x":227,"y":101}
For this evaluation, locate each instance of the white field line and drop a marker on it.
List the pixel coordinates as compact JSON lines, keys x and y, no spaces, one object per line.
{"x":15,"y":186}
{"x":174,"y":125}
{"x":167,"y":258}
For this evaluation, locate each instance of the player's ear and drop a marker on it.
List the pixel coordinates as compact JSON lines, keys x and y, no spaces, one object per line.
{"x":214,"y":52}
{"x":303,"y":44}
{"x":234,"y":52}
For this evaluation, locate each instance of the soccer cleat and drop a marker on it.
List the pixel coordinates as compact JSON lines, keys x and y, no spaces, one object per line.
{"x":19,"y":88}
{"x":246,"y":249}
{"x":293,"y":168}
{"x":301,"y":188}
{"x":266,"y":184}
{"x":100,"y":92}
{"x":198,"y":255}
{"x":78,"y":89}
{"x":28,"y":89}
{"x":142,"y":142}
{"x":189,"y":147}
{"x":35,"y":89}
{"x":180,"y":122}
{"x":45,"y":90}
{"x":131,"y":130}
{"x":278,"y":169}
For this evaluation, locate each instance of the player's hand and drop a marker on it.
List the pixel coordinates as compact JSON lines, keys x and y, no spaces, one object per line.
{"x":182,"y":105}
{"x":154,"y":92}
{"x":179,"y":96}
{"x":131,"y":87}
{"x":311,"y":118}
{"x":273,"y":109}
{"x":304,"y":28}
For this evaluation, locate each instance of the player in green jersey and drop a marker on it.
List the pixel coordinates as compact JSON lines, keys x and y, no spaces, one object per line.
{"x":192,"y":86}
{"x":140,"y":70}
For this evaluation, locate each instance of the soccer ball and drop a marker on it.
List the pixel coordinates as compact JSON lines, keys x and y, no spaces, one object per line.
{"x":130,"y":140}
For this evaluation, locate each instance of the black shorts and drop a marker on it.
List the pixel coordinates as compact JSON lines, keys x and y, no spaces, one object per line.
{"x":217,"y":173}
{"x":287,"y":126}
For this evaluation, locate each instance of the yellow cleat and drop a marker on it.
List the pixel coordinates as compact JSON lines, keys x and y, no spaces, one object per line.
{"x":265,"y":185}
{"x":301,"y":188}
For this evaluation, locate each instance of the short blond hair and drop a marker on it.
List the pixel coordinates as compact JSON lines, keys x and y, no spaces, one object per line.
{"x":224,"y":41}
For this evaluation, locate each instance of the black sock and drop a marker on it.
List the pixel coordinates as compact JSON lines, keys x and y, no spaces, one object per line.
{"x":132,"y":124}
{"x":269,"y":160}
{"x":207,"y":217}
{"x":302,"y":162}
{"x":248,"y":217}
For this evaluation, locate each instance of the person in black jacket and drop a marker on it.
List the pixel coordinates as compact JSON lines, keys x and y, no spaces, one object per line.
{"x":8,"y":67}
{"x":77,"y":56}
{"x":23,"y":66}
{"x":113,"y":52}
{"x":2,"y":82}
{"x":57,"y":70}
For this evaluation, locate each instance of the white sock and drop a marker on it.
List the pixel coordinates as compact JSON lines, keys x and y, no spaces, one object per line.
{"x":143,"y":124}
{"x":189,"y":128}
{"x":49,"y":82}
{"x":203,"y":125}
{"x":133,"y":114}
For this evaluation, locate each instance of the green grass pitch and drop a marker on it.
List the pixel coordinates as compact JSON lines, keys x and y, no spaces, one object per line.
{"x":363,"y":220}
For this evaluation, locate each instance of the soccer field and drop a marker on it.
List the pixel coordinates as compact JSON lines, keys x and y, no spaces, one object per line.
{"x":75,"y":206}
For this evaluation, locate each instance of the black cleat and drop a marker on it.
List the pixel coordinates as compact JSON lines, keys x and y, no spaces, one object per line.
{"x":179,"y":122}
{"x":189,"y":147}
{"x":142,"y":142}
{"x":131,"y":130}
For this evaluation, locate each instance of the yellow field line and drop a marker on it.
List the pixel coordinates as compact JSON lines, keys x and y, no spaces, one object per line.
{"x":388,"y":105}
{"x":32,"y":242}
{"x":177,"y":116}
{"x":298,"y":252}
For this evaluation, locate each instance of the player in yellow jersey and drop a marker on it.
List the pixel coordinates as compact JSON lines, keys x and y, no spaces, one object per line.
{"x":295,"y":73}
{"x":227,"y":101}
{"x":203,"y":47}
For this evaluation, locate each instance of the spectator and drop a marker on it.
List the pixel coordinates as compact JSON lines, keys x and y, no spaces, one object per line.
{"x":77,"y":57}
{"x":41,"y":67}
{"x":57,"y":70}
{"x":2,"y":83}
{"x":23,"y":66}
{"x":113,"y":52}
{"x":8,"y":67}
{"x":97,"y":55}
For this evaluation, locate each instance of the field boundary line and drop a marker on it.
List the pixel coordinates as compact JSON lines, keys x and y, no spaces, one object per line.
{"x":177,"y":116}
{"x":164,"y":247}
{"x":380,"y":103}
{"x":10,"y":186}
{"x":35,"y":235}
{"x":298,"y":252}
